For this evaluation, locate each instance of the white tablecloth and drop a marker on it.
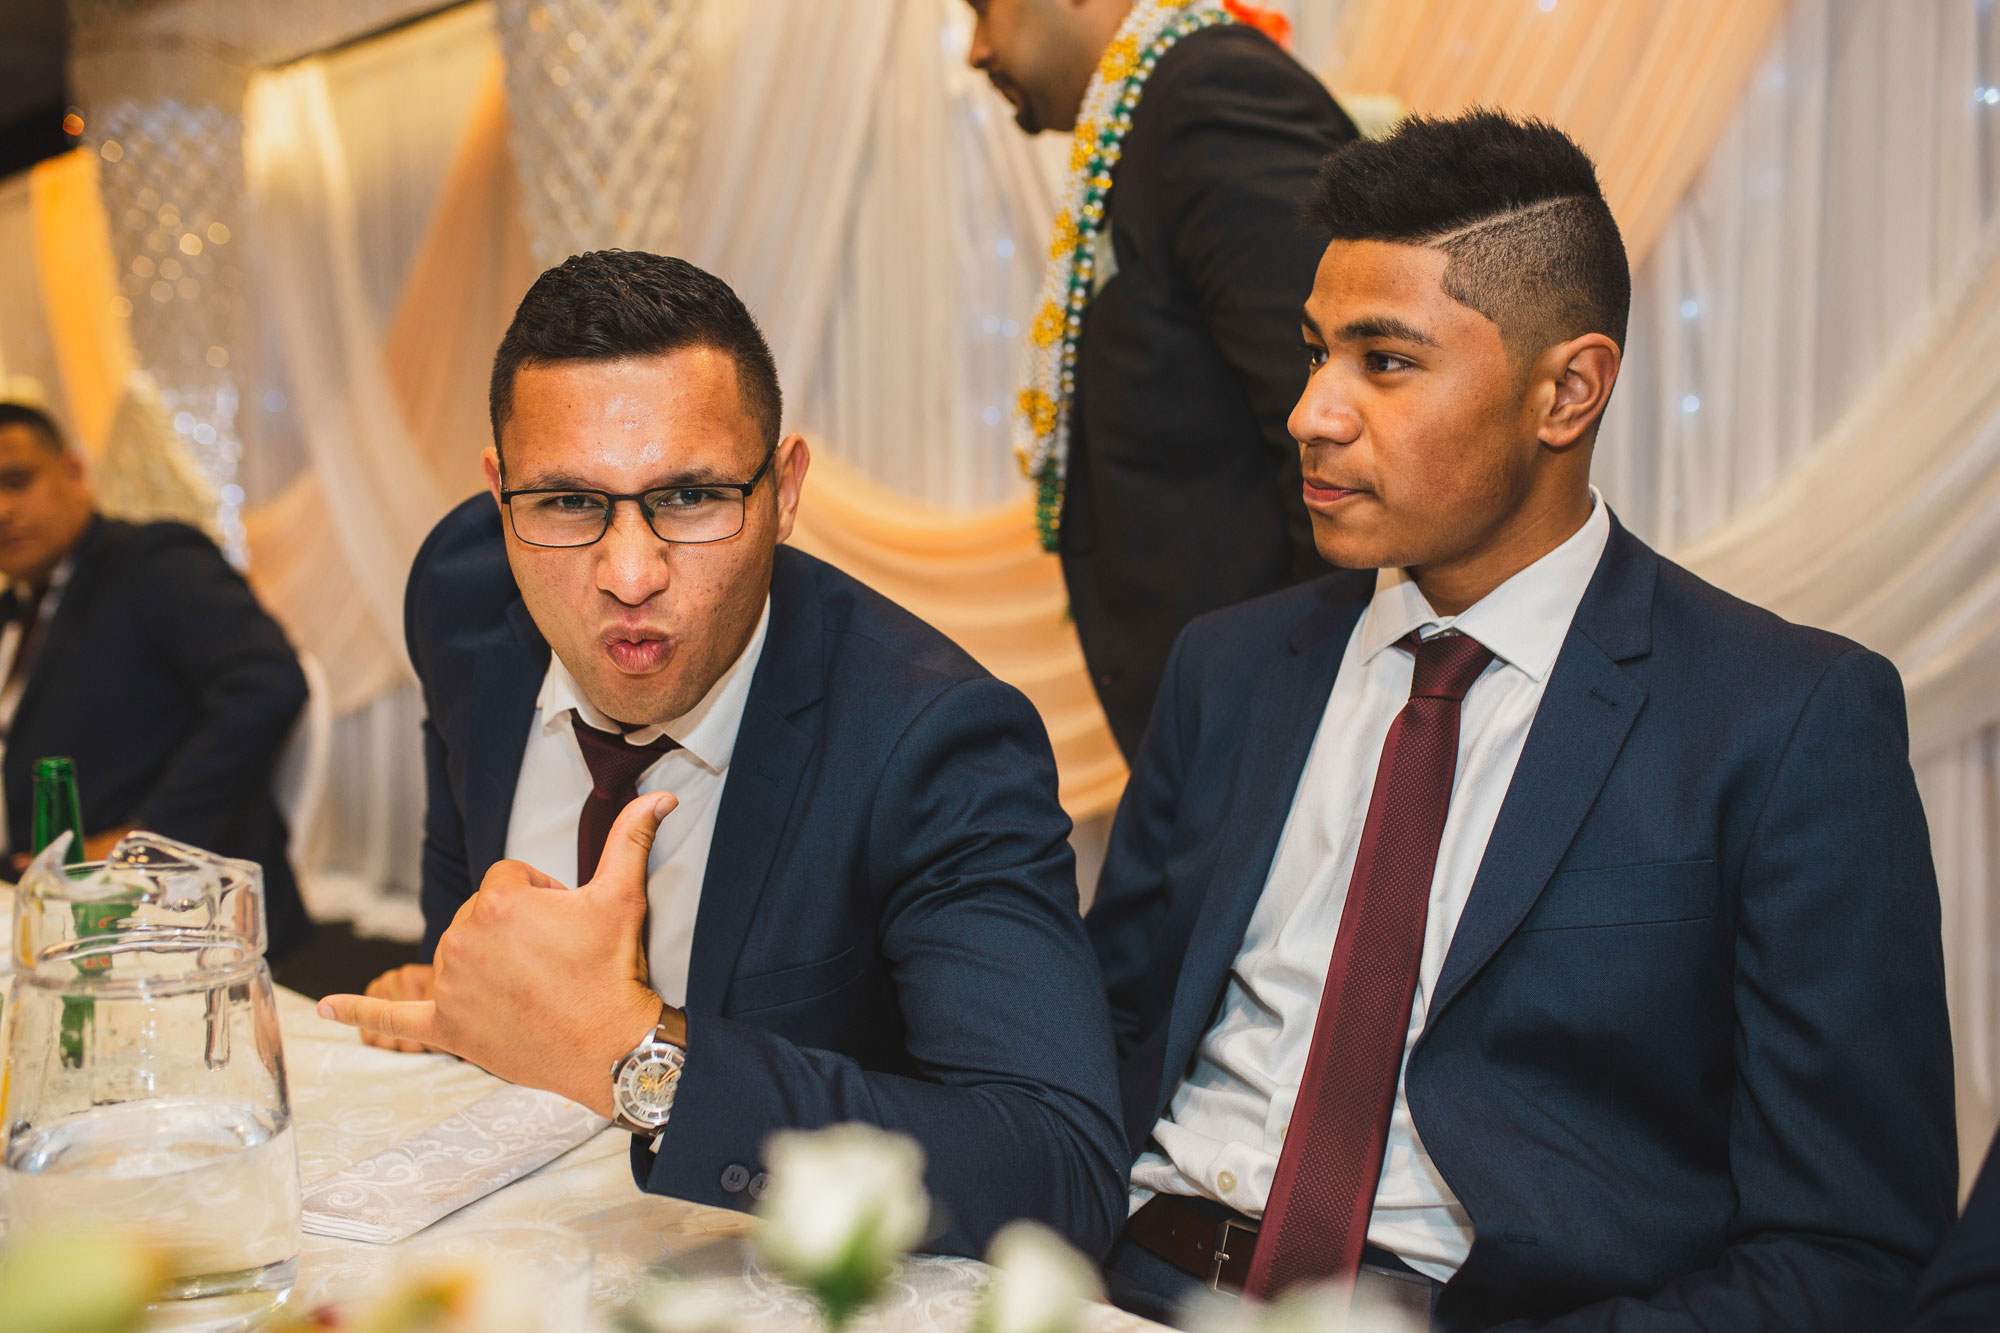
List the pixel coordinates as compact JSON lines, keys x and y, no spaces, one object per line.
{"x":350,"y":1102}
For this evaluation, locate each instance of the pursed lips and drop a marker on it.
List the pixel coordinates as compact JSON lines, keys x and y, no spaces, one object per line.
{"x":637,"y":649}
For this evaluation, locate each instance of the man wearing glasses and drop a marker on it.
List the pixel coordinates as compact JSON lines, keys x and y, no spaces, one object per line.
{"x":822,"y":872}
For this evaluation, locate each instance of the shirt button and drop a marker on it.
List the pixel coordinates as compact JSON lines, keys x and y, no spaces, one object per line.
{"x":735,"y":1177}
{"x":759,"y":1183}
{"x":1225,"y":1181}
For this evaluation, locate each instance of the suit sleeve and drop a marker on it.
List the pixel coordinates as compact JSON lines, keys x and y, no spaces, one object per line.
{"x":445,"y":881}
{"x":1841,"y":1141}
{"x":204,"y":621}
{"x":1240,"y":150}
{"x":1131,"y":905}
{"x":1004,"y":1014}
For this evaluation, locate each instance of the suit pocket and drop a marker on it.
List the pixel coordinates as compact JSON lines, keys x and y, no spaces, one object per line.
{"x":1639,"y":895}
{"x":793,"y":985}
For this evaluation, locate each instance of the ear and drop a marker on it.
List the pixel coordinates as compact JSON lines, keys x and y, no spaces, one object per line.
{"x":789,"y":470}
{"x":1579,"y":374}
{"x":489,"y":463}
{"x":73,"y":466}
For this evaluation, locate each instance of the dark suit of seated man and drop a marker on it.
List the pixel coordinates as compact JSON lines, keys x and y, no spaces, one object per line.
{"x":1512,"y":923}
{"x":864,"y":905}
{"x":138,"y":652}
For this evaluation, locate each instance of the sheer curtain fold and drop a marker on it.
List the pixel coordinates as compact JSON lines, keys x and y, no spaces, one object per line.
{"x":1646,"y":88}
{"x":380,"y":499}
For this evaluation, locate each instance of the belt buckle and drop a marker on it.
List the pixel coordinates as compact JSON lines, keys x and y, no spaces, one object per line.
{"x":1221,"y":1255}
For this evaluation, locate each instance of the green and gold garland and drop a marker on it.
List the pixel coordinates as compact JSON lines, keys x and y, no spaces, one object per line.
{"x":1042,"y":429}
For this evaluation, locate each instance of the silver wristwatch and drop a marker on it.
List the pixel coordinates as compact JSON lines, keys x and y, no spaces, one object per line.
{"x":644,"y":1080}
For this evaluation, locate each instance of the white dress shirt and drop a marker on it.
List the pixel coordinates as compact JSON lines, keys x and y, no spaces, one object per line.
{"x":1223,"y":1130}
{"x":555,"y":781}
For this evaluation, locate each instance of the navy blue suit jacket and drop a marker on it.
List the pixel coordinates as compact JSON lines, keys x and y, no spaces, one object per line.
{"x":1687,"y":1064}
{"x":888,"y":926}
{"x":174,"y":691}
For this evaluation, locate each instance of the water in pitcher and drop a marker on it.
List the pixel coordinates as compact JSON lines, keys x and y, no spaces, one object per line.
{"x":214,"y":1185}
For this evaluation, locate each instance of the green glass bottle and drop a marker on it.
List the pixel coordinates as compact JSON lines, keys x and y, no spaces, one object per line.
{"x":58,"y":807}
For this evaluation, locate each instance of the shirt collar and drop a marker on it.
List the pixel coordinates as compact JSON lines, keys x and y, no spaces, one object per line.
{"x":707,"y":731}
{"x":1523,"y":621}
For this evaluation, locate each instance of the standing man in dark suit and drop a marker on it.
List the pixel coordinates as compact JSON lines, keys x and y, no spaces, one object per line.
{"x":1512,"y":922}
{"x":862,"y":905}
{"x":137,"y":651}
{"x":1155,"y":426}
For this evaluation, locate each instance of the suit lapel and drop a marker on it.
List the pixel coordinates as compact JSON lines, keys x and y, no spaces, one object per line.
{"x":1586,"y":712}
{"x":1291,"y":705}
{"x":506,"y":683}
{"x":773,"y":746}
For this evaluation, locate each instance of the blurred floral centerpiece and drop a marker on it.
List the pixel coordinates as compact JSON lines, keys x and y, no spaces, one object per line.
{"x":1039,"y":1283}
{"x":845,"y":1204}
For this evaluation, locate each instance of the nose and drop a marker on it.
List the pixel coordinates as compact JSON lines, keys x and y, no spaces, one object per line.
{"x":632,"y":564}
{"x":1324,"y":414}
{"x":979,"y":51}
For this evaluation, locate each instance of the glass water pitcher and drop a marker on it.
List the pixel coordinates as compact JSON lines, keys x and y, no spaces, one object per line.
{"x":143,"y":1091}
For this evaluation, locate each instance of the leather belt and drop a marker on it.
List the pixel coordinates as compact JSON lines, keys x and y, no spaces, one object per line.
{"x":1215,"y":1249}
{"x":1215,"y":1244}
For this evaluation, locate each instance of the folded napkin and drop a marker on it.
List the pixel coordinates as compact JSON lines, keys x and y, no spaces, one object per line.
{"x":462,"y":1158}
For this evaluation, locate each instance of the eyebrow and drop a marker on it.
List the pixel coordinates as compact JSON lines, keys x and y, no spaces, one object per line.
{"x":569,"y":481}
{"x":1384,"y":326}
{"x":1371,"y":327}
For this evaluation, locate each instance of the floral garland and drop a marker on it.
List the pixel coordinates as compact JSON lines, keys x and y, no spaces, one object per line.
{"x":1043,"y":427}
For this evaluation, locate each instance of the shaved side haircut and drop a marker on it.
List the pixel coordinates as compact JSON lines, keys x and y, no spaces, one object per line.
{"x":1514,"y":204}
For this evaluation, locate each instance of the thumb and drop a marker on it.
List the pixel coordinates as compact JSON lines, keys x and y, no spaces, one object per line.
{"x":621,"y":870}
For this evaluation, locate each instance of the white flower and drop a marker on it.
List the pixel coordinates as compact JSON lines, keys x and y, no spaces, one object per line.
{"x":843,"y":1205}
{"x":1039,"y":1284}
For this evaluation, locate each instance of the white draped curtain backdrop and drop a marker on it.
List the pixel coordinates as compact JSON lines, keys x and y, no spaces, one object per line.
{"x":1809,"y":413}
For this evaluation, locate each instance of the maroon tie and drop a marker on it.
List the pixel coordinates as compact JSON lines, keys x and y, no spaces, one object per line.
{"x":29,"y":613}
{"x":615,"y":766}
{"x":1316,"y":1220}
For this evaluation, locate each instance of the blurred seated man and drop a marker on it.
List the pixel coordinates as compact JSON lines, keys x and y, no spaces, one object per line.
{"x":861,"y":904}
{"x":1511,"y":923}
{"x":137,"y":651}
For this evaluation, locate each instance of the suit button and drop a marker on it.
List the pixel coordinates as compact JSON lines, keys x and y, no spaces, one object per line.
{"x":759,"y":1183}
{"x":734,"y":1177}
{"x":1106,"y":679}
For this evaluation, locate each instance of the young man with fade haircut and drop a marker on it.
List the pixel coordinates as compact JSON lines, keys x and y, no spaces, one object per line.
{"x":838,"y":885}
{"x":1513,"y":923}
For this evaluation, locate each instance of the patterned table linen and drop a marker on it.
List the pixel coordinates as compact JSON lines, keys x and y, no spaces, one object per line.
{"x":464,"y":1157}
{"x":352,"y":1102}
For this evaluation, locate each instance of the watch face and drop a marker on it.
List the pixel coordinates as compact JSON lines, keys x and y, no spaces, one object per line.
{"x":646,"y":1083}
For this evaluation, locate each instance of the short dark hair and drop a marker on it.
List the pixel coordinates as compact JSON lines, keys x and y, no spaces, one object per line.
{"x":36,"y":420}
{"x":612,"y":304}
{"x":1515,"y":204}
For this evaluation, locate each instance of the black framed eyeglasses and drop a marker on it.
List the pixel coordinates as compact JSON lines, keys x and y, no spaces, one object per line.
{"x":684,"y":515}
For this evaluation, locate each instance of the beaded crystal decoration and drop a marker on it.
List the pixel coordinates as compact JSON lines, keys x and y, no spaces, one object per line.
{"x":1042,"y":428}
